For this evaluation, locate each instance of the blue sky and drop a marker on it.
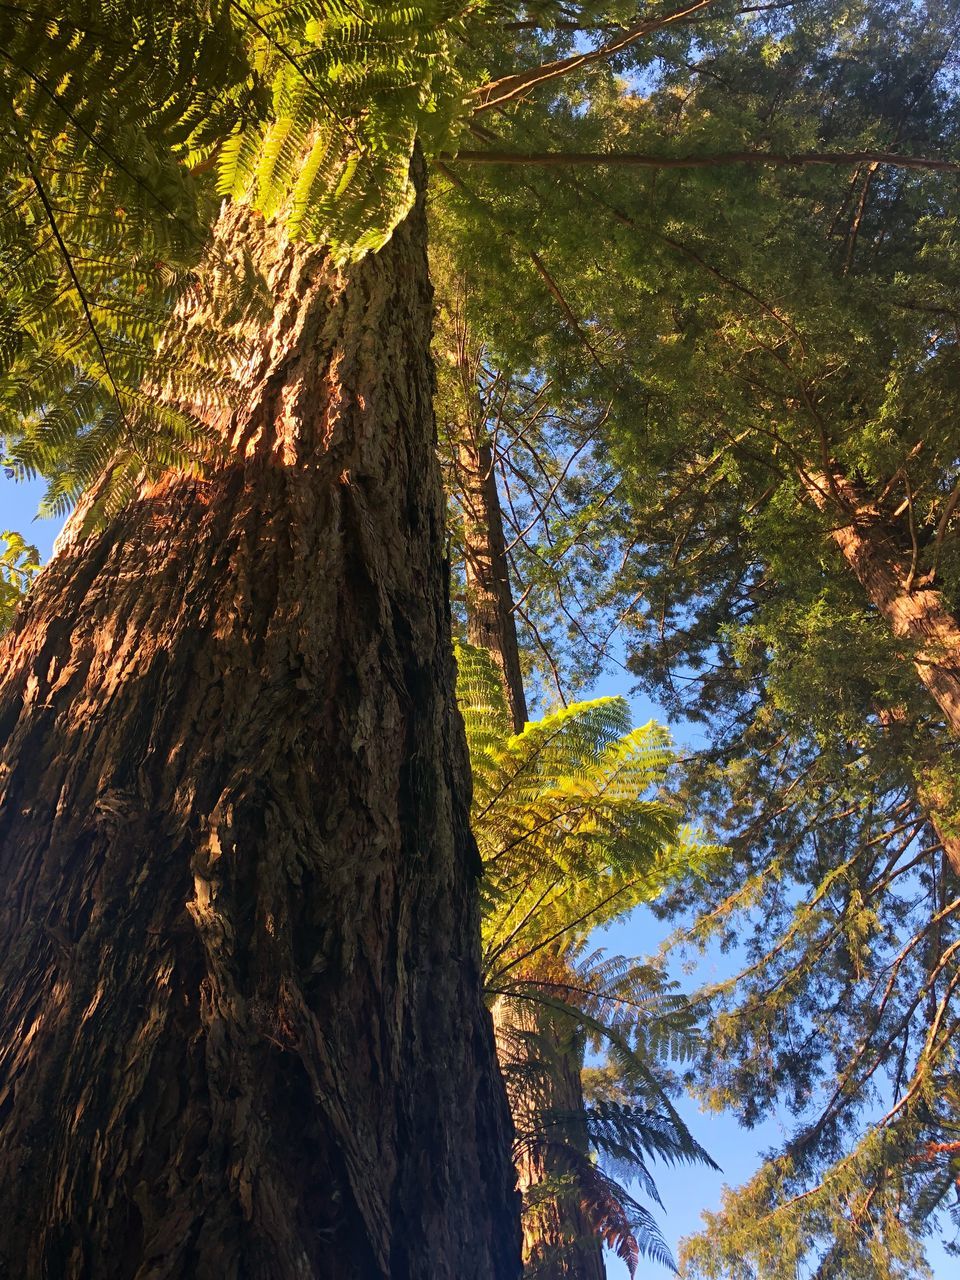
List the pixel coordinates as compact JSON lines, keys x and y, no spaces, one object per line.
{"x":685,"y":1191}
{"x":18,"y":507}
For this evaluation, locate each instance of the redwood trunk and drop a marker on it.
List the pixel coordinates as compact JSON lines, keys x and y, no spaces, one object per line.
{"x":241,"y":1028}
{"x":934,"y":807}
{"x":915,"y":612}
{"x":558,"y":1242}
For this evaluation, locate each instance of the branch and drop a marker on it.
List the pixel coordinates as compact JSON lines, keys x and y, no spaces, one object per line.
{"x":638,"y":160}
{"x":498,"y":92}
{"x":948,"y":511}
{"x":625,"y":220}
{"x":555,"y":293}
{"x":533,"y":25}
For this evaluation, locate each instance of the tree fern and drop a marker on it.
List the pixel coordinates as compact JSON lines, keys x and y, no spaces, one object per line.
{"x":574,"y":830}
{"x":107,"y":107}
{"x":569,"y":816}
{"x":122,"y":124}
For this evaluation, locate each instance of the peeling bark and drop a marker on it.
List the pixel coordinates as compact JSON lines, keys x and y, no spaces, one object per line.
{"x":915,"y":612}
{"x":241,"y":1027}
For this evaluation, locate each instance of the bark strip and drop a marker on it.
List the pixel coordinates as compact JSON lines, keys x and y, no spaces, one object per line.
{"x":542,"y":1067}
{"x":490,"y":620}
{"x":546,"y":1100}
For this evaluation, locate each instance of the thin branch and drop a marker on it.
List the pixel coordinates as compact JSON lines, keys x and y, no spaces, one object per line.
{"x":858,"y":219}
{"x":564,"y":306}
{"x":545,"y":651}
{"x":498,"y":92}
{"x":72,"y":272}
{"x":643,"y":160}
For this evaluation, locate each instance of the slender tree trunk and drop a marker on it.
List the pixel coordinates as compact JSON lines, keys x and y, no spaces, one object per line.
{"x":490,"y":617}
{"x":546,"y":1101}
{"x":241,"y":1027}
{"x":558,"y":1243}
{"x":915,"y":611}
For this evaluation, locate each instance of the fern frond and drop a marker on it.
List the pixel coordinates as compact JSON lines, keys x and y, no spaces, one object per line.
{"x":19,"y":564}
{"x":115,"y":118}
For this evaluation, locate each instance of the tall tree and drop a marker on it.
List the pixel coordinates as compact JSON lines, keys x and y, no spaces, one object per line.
{"x":558,"y":1238}
{"x":243,"y":1030}
{"x":244,"y":1010}
{"x":574,"y":830}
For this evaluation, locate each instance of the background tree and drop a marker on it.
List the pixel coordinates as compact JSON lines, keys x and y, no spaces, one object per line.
{"x":568,"y":1208}
{"x":744,"y":334}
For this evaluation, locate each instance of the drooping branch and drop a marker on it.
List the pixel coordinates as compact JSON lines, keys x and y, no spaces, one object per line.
{"x":499,"y":92}
{"x":644,"y":160}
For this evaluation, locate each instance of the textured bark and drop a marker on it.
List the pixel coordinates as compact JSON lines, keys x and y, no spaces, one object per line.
{"x":916,"y":612}
{"x":490,"y":618}
{"x":241,"y":1028}
{"x":558,"y":1239}
{"x":558,"y":1243}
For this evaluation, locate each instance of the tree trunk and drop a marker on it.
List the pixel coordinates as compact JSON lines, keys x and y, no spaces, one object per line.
{"x":490,"y":619}
{"x":558,"y":1242}
{"x":546,"y":1099}
{"x":241,"y":1027}
{"x":915,"y":612}
{"x":942,"y":821}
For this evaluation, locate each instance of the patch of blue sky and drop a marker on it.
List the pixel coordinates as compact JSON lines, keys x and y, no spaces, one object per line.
{"x":19,"y":501}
